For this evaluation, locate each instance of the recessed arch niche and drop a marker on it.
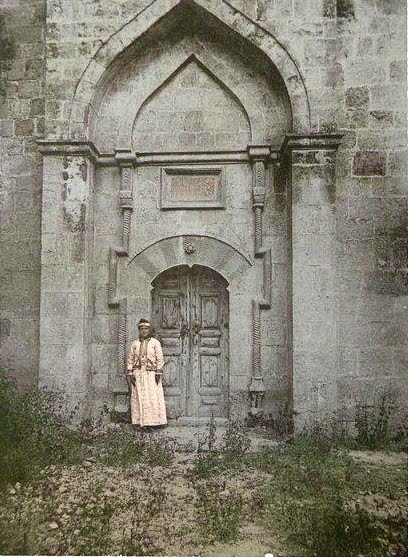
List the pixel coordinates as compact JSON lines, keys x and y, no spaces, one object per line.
{"x":116,"y":193}
{"x":190,"y":60}
{"x":191,"y":97}
{"x":195,"y":110}
{"x":237,"y":273}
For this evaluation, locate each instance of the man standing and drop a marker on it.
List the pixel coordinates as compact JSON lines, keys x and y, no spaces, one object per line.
{"x":144,"y":374}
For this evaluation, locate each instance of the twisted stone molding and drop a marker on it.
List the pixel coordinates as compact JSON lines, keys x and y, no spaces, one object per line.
{"x":259,"y":155}
{"x":126,"y":160}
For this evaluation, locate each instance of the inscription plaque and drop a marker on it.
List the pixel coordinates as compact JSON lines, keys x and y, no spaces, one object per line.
{"x":192,"y":188}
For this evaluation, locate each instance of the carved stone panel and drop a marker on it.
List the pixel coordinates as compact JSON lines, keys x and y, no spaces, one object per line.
{"x":192,"y":187}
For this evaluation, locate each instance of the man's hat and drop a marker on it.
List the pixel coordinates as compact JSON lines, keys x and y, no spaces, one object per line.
{"x":144,"y":322}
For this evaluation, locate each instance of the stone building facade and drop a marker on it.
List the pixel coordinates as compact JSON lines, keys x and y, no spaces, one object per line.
{"x":233,"y":169}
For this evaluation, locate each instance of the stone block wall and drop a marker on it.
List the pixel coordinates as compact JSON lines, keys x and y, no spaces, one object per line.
{"x":22,"y":78}
{"x":196,"y":105}
{"x":372,"y":210}
{"x":352,"y":57}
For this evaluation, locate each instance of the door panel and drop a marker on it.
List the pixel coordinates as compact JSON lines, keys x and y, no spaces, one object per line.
{"x":209,"y":347}
{"x":169,"y":314}
{"x":190,"y":307}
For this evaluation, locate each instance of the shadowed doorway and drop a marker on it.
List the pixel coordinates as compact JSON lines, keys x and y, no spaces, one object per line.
{"x":190,"y":308}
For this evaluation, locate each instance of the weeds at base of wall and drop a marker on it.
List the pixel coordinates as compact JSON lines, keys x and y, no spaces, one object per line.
{"x":374,"y":424}
{"x":318,"y":499}
{"x":377,"y":428}
{"x":320,"y":502}
{"x":232,"y":445}
{"x":276,"y":425}
{"x":235,"y":439}
{"x":33,"y":423}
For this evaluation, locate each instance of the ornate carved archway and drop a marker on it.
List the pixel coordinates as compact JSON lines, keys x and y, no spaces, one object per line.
{"x":86,"y":93}
{"x":248,"y":219}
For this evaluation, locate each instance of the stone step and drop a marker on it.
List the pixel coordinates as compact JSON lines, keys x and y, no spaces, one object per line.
{"x":188,"y":437}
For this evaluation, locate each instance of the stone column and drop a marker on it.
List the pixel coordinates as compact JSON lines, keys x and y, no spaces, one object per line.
{"x":310,"y":166}
{"x":126,"y":161}
{"x":66,"y":268}
{"x":259,"y":156}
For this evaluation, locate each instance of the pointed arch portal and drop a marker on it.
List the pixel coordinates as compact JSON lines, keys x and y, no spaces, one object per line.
{"x":186,"y":139}
{"x":163,"y":17}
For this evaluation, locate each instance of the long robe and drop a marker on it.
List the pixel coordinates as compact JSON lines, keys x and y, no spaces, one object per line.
{"x":147,"y":404}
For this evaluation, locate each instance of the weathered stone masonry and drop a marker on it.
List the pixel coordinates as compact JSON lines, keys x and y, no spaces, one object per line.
{"x":299,"y":106}
{"x":22,"y":100}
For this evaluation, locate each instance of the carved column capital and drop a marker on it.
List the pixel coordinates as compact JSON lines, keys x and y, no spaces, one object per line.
{"x":259,"y":152}
{"x":258,"y":156}
{"x":126,"y":199}
{"x":125,"y":157}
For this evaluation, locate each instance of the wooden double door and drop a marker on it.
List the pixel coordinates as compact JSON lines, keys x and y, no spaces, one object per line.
{"x":191,"y":313}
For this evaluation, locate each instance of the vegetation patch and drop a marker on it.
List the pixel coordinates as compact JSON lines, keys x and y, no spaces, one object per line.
{"x":95,"y":490}
{"x":34,"y":432}
{"x":326,"y":504}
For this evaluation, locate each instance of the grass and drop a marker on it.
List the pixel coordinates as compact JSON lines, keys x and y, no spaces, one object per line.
{"x":319,"y":501}
{"x":39,"y":449}
{"x":126,"y":449}
{"x":33,"y":433}
{"x":316,"y":500}
{"x":310,"y":496}
{"x":220,"y":512}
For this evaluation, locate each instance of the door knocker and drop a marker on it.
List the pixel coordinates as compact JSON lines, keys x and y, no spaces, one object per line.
{"x":183,"y":333}
{"x":196,"y":330}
